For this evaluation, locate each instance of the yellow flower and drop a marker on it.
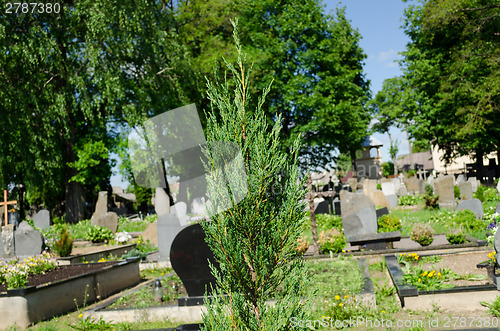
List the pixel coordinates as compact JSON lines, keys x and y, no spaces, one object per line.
{"x":337,"y":297}
{"x":346,"y":296}
{"x":138,"y":241}
{"x":425,"y":273}
{"x":419,"y":280}
{"x":341,"y":304}
{"x":343,"y":251}
{"x":80,"y":316}
{"x":383,"y":312}
{"x":439,"y":274}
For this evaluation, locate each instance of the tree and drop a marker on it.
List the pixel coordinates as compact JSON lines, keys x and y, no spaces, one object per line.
{"x":68,"y":79}
{"x":254,"y":241}
{"x":451,"y":69}
{"x":313,"y":59}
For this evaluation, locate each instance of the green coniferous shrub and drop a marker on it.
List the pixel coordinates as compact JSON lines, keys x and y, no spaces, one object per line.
{"x":64,"y":245}
{"x":255,"y":240}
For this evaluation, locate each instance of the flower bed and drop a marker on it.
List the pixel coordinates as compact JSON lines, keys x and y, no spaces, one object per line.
{"x":64,"y":289}
{"x":421,"y":281}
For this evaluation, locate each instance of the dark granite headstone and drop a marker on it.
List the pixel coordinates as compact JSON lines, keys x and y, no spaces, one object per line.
{"x":189,"y":256}
{"x":381,"y":212}
{"x":323,"y":208}
{"x":13,"y":219}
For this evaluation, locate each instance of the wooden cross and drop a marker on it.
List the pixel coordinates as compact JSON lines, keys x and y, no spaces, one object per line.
{"x":5,"y":203}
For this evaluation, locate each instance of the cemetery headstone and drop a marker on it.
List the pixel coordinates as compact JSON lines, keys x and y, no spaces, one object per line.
{"x":151,"y":233}
{"x":402,"y":191}
{"x":397,"y":183}
{"x":465,"y":190}
{"x":388,"y":188}
{"x":323,"y":208}
{"x":42,"y":219}
{"x":473,"y":205}
{"x":498,"y":187}
{"x":378,"y":198}
{"x":167,"y":229}
{"x":189,"y":256}
{"x":101,"y":216}
{"x":381,"y":212}
{"x":358,"y":214}
{"x":369,"y":186}
{"x":460,"y":179}
{"x":412,"y":184}
{"x":474,"y":182}
{"x":336,"y":206}
{"x":7,"y":239}
{"x":421,"y":186}
{"x":444,"y":187}
{"x":28,"y":241}
{"x":392,"y":200}
{"x":497,"y":209}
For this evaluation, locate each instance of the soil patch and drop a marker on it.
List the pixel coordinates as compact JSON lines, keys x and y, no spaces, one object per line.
{"x":61,"y":272}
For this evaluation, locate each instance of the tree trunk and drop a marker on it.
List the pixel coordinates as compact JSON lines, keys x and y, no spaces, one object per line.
{"x":353,"y":163}
{"x":314,"y":228}
{"x":480,"y":165}
{"x":412,"y":164}
{"x":75,"y":202}
{"x":393,"y":157}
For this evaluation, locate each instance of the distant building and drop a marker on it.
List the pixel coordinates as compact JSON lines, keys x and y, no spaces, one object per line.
{"x":368,"y":160}
{"x":433,"y":160}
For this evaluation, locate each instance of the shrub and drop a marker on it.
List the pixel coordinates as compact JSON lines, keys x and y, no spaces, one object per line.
{"x":456,"y":192}
{"x":467,"y":220}
{"x":98,"y":234}
{"x":388,"y":223}
{"x":325,"y":222}
{"x":135,"y":253}
{"x":422,"y":234}
{"x":331,"y":240}
{"x":302,"y":245}
{"x":431,"y":201}
{"x":64,"y":245}
{"x":479,"y":194}
{"x":455,"y":238}
{"x":493,"y":307}
{"x":429,"y":190}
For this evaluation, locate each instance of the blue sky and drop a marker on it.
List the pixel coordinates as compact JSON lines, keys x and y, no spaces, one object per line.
{"x":378,"y":22}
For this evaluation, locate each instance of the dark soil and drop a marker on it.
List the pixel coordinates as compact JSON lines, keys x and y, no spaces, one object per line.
{"x":61,"y":272}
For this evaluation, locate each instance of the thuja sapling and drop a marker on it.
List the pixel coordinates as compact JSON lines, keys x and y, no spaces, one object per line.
{"x":255,"y":240}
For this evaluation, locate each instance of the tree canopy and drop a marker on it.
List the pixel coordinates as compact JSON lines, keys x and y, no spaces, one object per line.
{"x":451,"y":71}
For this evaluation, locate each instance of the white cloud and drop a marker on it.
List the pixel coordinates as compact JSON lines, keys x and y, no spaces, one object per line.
{"x":386,"y":56}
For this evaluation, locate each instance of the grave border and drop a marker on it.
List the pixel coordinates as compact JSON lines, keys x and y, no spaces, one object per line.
{"x":406,"y":291}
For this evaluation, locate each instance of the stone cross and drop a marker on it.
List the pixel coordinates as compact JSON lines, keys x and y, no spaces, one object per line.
{"x":5,"y":203}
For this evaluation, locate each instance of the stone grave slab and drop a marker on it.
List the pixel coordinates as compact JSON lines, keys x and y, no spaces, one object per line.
{"x":412,"y":184}
{"x":381,"y":212}
{"x":42,"y":219}
{"x":460,"y":179}
{"x":402,"y":191}
{"x":358,"y":214}
{"x":444,"y":187}
{"x":388,"y":188}
{"x":392,"y":200}
{"x":189,"y":256}
{"x":151,"y":233}
{"x":7,"y":239}
{"x":378,"y":198}
{"x":397,"y":183}
{"x":473,"y":205}
{"x":323,"y":208}
{"x":167,"y":228}
{"x":497,"y":209}
{"x":28,"y":241}
{"x":369,"y":186}
{"x":474,"y":182}
{"x":465,"y":190}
